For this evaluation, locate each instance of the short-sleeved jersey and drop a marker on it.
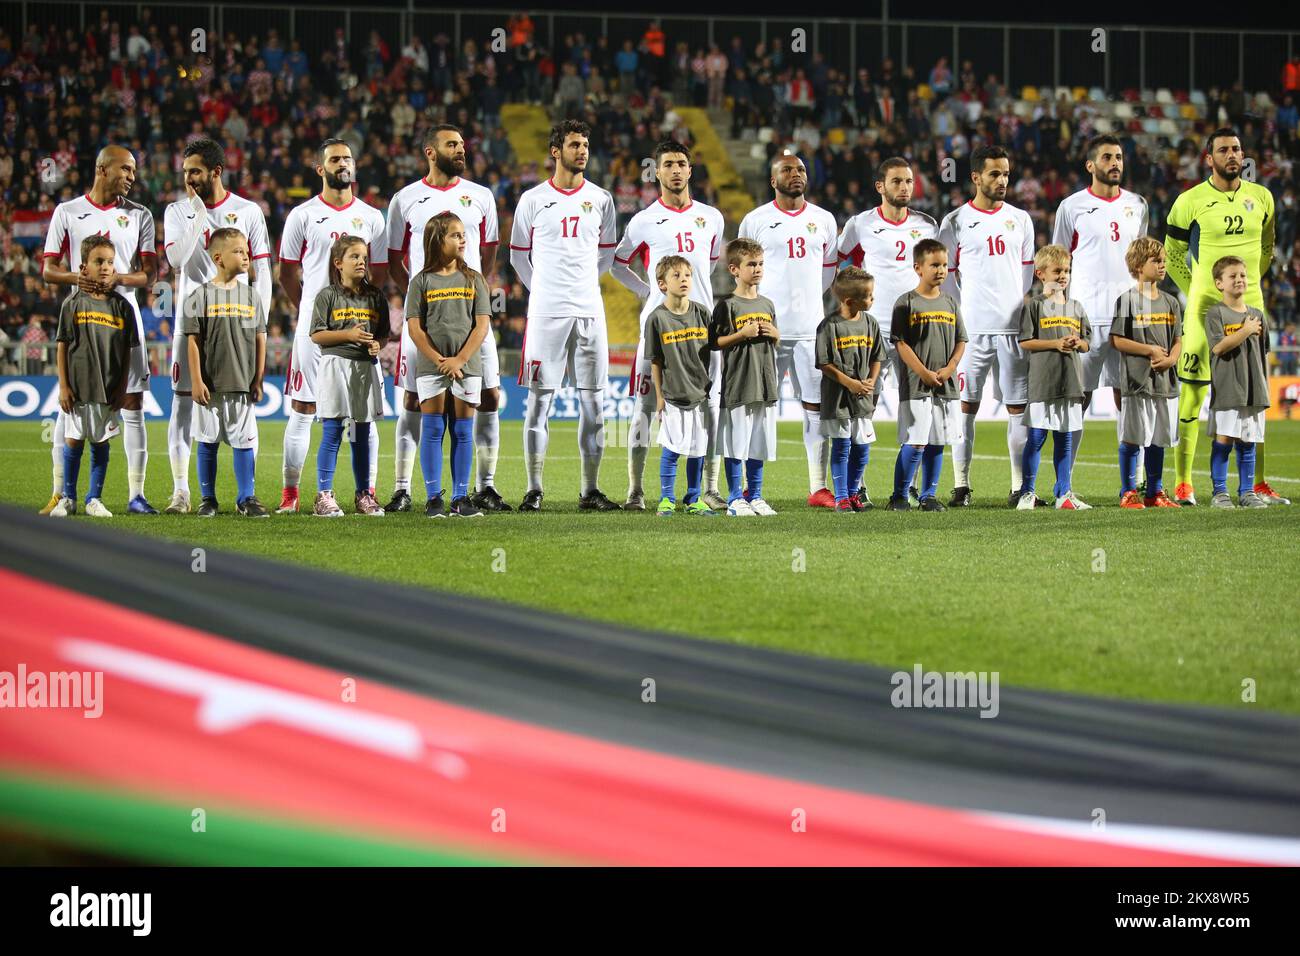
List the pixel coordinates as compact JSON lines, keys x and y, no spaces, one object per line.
{"x":416,"y":204}
{"x":931,"y":328}
{"x":988,"y":252}
{"x":1054,"y":375}
{"x":1097,"y":232}
{"x":127,"y":223}
{"x":884,"y":248}
{"x":233,"y":212}
{"x":227,"y":322}
{"x":309,"y":232}
{"x":851,"y":345}
{"x":100,"y":334}
{"x":1157,"y":321}
{"x":445,"y":306}
{"x":694,"y":232}
{"x":563,"y":232}
{"x":1211,"y":224}
{"x":799,"y":260}
{"x":680,"y":345}
{"x":748,"y":366}
{"x":340,"y":310}
{"x":1238,"y":377}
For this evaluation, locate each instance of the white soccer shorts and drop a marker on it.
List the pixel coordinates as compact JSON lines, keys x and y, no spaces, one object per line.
{"x":929,"y":421}
{"x":859,"y":431}
{"x":467,"y":388}
{"x":986,"y":352}
{"x":347,"y":388}
{"x":94,"y":422}
{"x":747,"y":431}
{"x":684,"y":430}
{"x":556,"y":346}
{"x":1148,"y":421}
{"x":1061,"y":415}
{"x":1238,"y":423}
{"x":1102,"y":363}
{"x":181,"y":381}
{"x":227,"y":417}
{"x":304,"y":366}
{"x":799,"y":358}
{"x":404,"y":374}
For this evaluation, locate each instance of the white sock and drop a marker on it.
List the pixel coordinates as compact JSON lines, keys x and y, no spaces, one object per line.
{"x":818,"y":450}
{"x":638,"y":443}
{"x":537,"y":410}
{"x":712,"y":460}
{"x":374,"y":455}
{"x":487,"y":445}
{"x":297,"y":440}
{"x":591,"y":435}
{"x":963,"y":450}
{"x":408,"y":441}
{"x":136,"y":442}
{"x":636,"y":456}
{"x":59,"y":442}
{"x":178,"y":441}
{"x":534,"y":464}
{"x":1017,"y":438}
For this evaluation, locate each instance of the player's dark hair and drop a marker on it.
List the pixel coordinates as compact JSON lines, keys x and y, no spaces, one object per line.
{"x":1097,"y":142}
{"x":924,"y":248}
{"x":91,"y":243}
{"x":561,"y":131}
{"x":982,"y":154}
{"x":671,"y":146}
{"x":435,"y":235}
{"x":341,"y":245}
{"x":1219,"y":133}
{"x":894,"y":162}
{"x":850,"y":286}
{"x":431,"y":137}
{"x":208,"y":151}
{"x":224,"y":234}
{"x":332,"y":141}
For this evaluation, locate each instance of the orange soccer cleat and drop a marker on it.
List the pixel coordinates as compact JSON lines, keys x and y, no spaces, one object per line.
{"x":288,"y":502}
{"x":824,"y":498}
{"x":1183,"y":495}
{"x":1160,"y":500}
{"x":1131,"y":499}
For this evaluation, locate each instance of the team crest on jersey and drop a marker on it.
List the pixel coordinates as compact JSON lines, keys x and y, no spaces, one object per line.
{"x":465,"y":201}
{"x":915,"y":233}
{"x":812,"y":227}
{"x":586,"y":207}
{"x":699,"y":221}
{"x":1011,"y":225}
{"x":123,"y":221}
{"x":1248,"y":204}
{"x":358,"y":224}
{"x":232,"y":218}
{"x":1128,"y":212}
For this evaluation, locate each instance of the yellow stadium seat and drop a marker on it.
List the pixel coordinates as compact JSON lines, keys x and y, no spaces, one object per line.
{"x":924,"y":92}
{"x":1190,"y":112}
{"x":1029,"y":94}
{"x":1080,"y":94}
{"x":836,"y":136}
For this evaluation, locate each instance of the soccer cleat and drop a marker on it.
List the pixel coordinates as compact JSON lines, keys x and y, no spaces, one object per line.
{"x":863,"y":499}
{"x":1072,"y":502}
{"x":51,"y":504}
{"x":1159,"y":500}
{"x":325,"y":506}
{"x":700,"y":510}
{"x":914,"y":495}
{"x":1027,"y":501}
{"x":532,"y":501}
{"x":462,"y":507}
{"x":635,"y":501}
{"x":288,"y":502}
{"x":435,"y":507}
{"x":595,"y":500}
{"x":823,"y":498}
{"x":139,"y":506}
{"x":714,"y":500}
{"x":961,"y":497}
{"x":899,"y":503}
{"x":1131,"y":500}
{"x":932,"y":503}
{"x":208,"y":508}
{"x":64,"y":507}
{"x":844,"y":507}
{"x":1013,"y":499}
{"x":740,"y":508}
{"x":1251,"y":499}
{"x":401,"y":501}
{"x":489,"y":499}
{"x":365,"y":504}
{"x":252,"y":507}
{"x":1271,"y":497}
{"x":761,"y":508}
{"x":179,"y":505}
{"x":667,"y":508}
{"x":1222,"y":499}
{"x":95,"y":508}
{"x":1184,"y":496}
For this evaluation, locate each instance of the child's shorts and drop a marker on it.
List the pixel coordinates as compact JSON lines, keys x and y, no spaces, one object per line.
{"x":1240,"y":423}
{"x":348,"y":388}
{"x":1060,"y":415}
{"x":929,"y":421}
{"x":859,"y":431}
{"x":227,"y":417}
{"x":684,"y":430}
{"x":1145,"y":421}
{"x":93,"y":422}
{"x":747,"y":431}
{"x":467,"y":388}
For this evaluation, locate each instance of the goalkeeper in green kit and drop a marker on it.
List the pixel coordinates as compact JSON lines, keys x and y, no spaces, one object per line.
{"x":1223,"y":216}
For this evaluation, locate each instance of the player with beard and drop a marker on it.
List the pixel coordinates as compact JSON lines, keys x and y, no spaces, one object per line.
{"x":1223,"y":216}
{"x":188,"y":225}
{"x":106,"y":211}
{"x":310,"y":231}
{"x":443,"y":190}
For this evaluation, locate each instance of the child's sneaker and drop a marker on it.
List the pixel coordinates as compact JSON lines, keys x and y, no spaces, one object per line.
{"x":65,"y":507}
{"x":1271,"y":497}
{"x":208,"y":508}
{"x":51,"y":504}
{"x":1027,"y":502}
{"x":1221,"y":499}
{"x":897,"y":503}
{"x":139,"y":505}
{"x":822,"y":498}
{"x":95,"y":508}
{"x":861,"y":501}
{"x":326,"y":506}
{"x":462,"y":507}
{"x":1072,"y":502}
{"x":740,"y":508}
{"x":366,"y":504}
{"x":844,"y":507}
{"x":714,"y":500}
{"x":1183,"y":495}
{"x":1251,"y":500}
{"x":252,"y":507}
{"x":700,"y":510}
{"x":288,"y":502}
{"x":179,"y":505}
{"x":667,"y":508}
{"x":1131,"y":500}
{"x":761,"y":508}
{"x":1159,"y":500}
{"x":435,"y":507}
{"x":931,"y":503}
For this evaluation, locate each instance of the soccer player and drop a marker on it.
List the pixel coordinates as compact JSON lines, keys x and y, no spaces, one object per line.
{"x":188,"y":226}
{"x":1054,"y":330}
{"x":563,"y":238}
{"x":929,"y":338}
{"x":991,"y":250}
{"x":106,"y":211}
{"x":744,"y":328}
{"x":309,"y":233}
{"x":799,"y":261}
{"x":1097,"y":225}
{"x":350,"y":324}
{"x":674,"y":225}
{"x":677,"y":342}
{"x":1223,"y":216}
{"x":224,"y":323}
{"x":443,"y":189}
{"x":850,"y":355}
{"x":1147,"y":331}
{"x":1237,"y":334}
{"x":97,"y":333}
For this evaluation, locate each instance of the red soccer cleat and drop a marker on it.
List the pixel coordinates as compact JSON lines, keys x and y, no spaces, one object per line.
{"x":1183,"y":495}
{"x":824,"y":498}
{"x":1131,"y":500}
{"x":1160,"y":500}
{"x":288,"y":502}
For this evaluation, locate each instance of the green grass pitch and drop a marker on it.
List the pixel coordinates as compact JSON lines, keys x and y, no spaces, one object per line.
{"x":1172,"y":605}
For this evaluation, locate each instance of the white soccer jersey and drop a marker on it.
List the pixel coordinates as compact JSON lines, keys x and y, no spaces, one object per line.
{"x":799,"y":260}
{"x":310,"y":230}
{"x":564,"y":232}
{"x":1097,"y":232}
{"x":991,"y":257}
{"x":884,"y":248}
{"x":127,"y":223}
{"x":695,"y":233}
{"x":233,"y":212}
{"x":416,"y":204}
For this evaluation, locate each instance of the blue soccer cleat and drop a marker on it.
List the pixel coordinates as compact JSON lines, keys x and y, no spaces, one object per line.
{"x":139,"y":506}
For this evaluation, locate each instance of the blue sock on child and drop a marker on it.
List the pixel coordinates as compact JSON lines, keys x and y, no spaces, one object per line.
{"x":462,"y":455}
{"x":735,"y":482}
{"x":432,"y":426}
{"x":694,"y":479}
{"x":840,"y":448}
{"x":1245,"y":467}
{"x":1155,"y":466}
{"x":327,"y":456}
{"x":71,"y":469}
{"x":99,"y":469}
{"x":1031,"y":457}
{"x":754,"y":477}
{"x":909,"y":456}
{"x":1062,"y":461}
{"x":1219,"y":455}
{"x":244,"y":462}
{"x":931,"y":465}
{"x":361,"y":457}
{"x":858,"y":456}
{"x":668,"y":475}
{"x":1128,"y":466}
{"x":207,"y":456}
